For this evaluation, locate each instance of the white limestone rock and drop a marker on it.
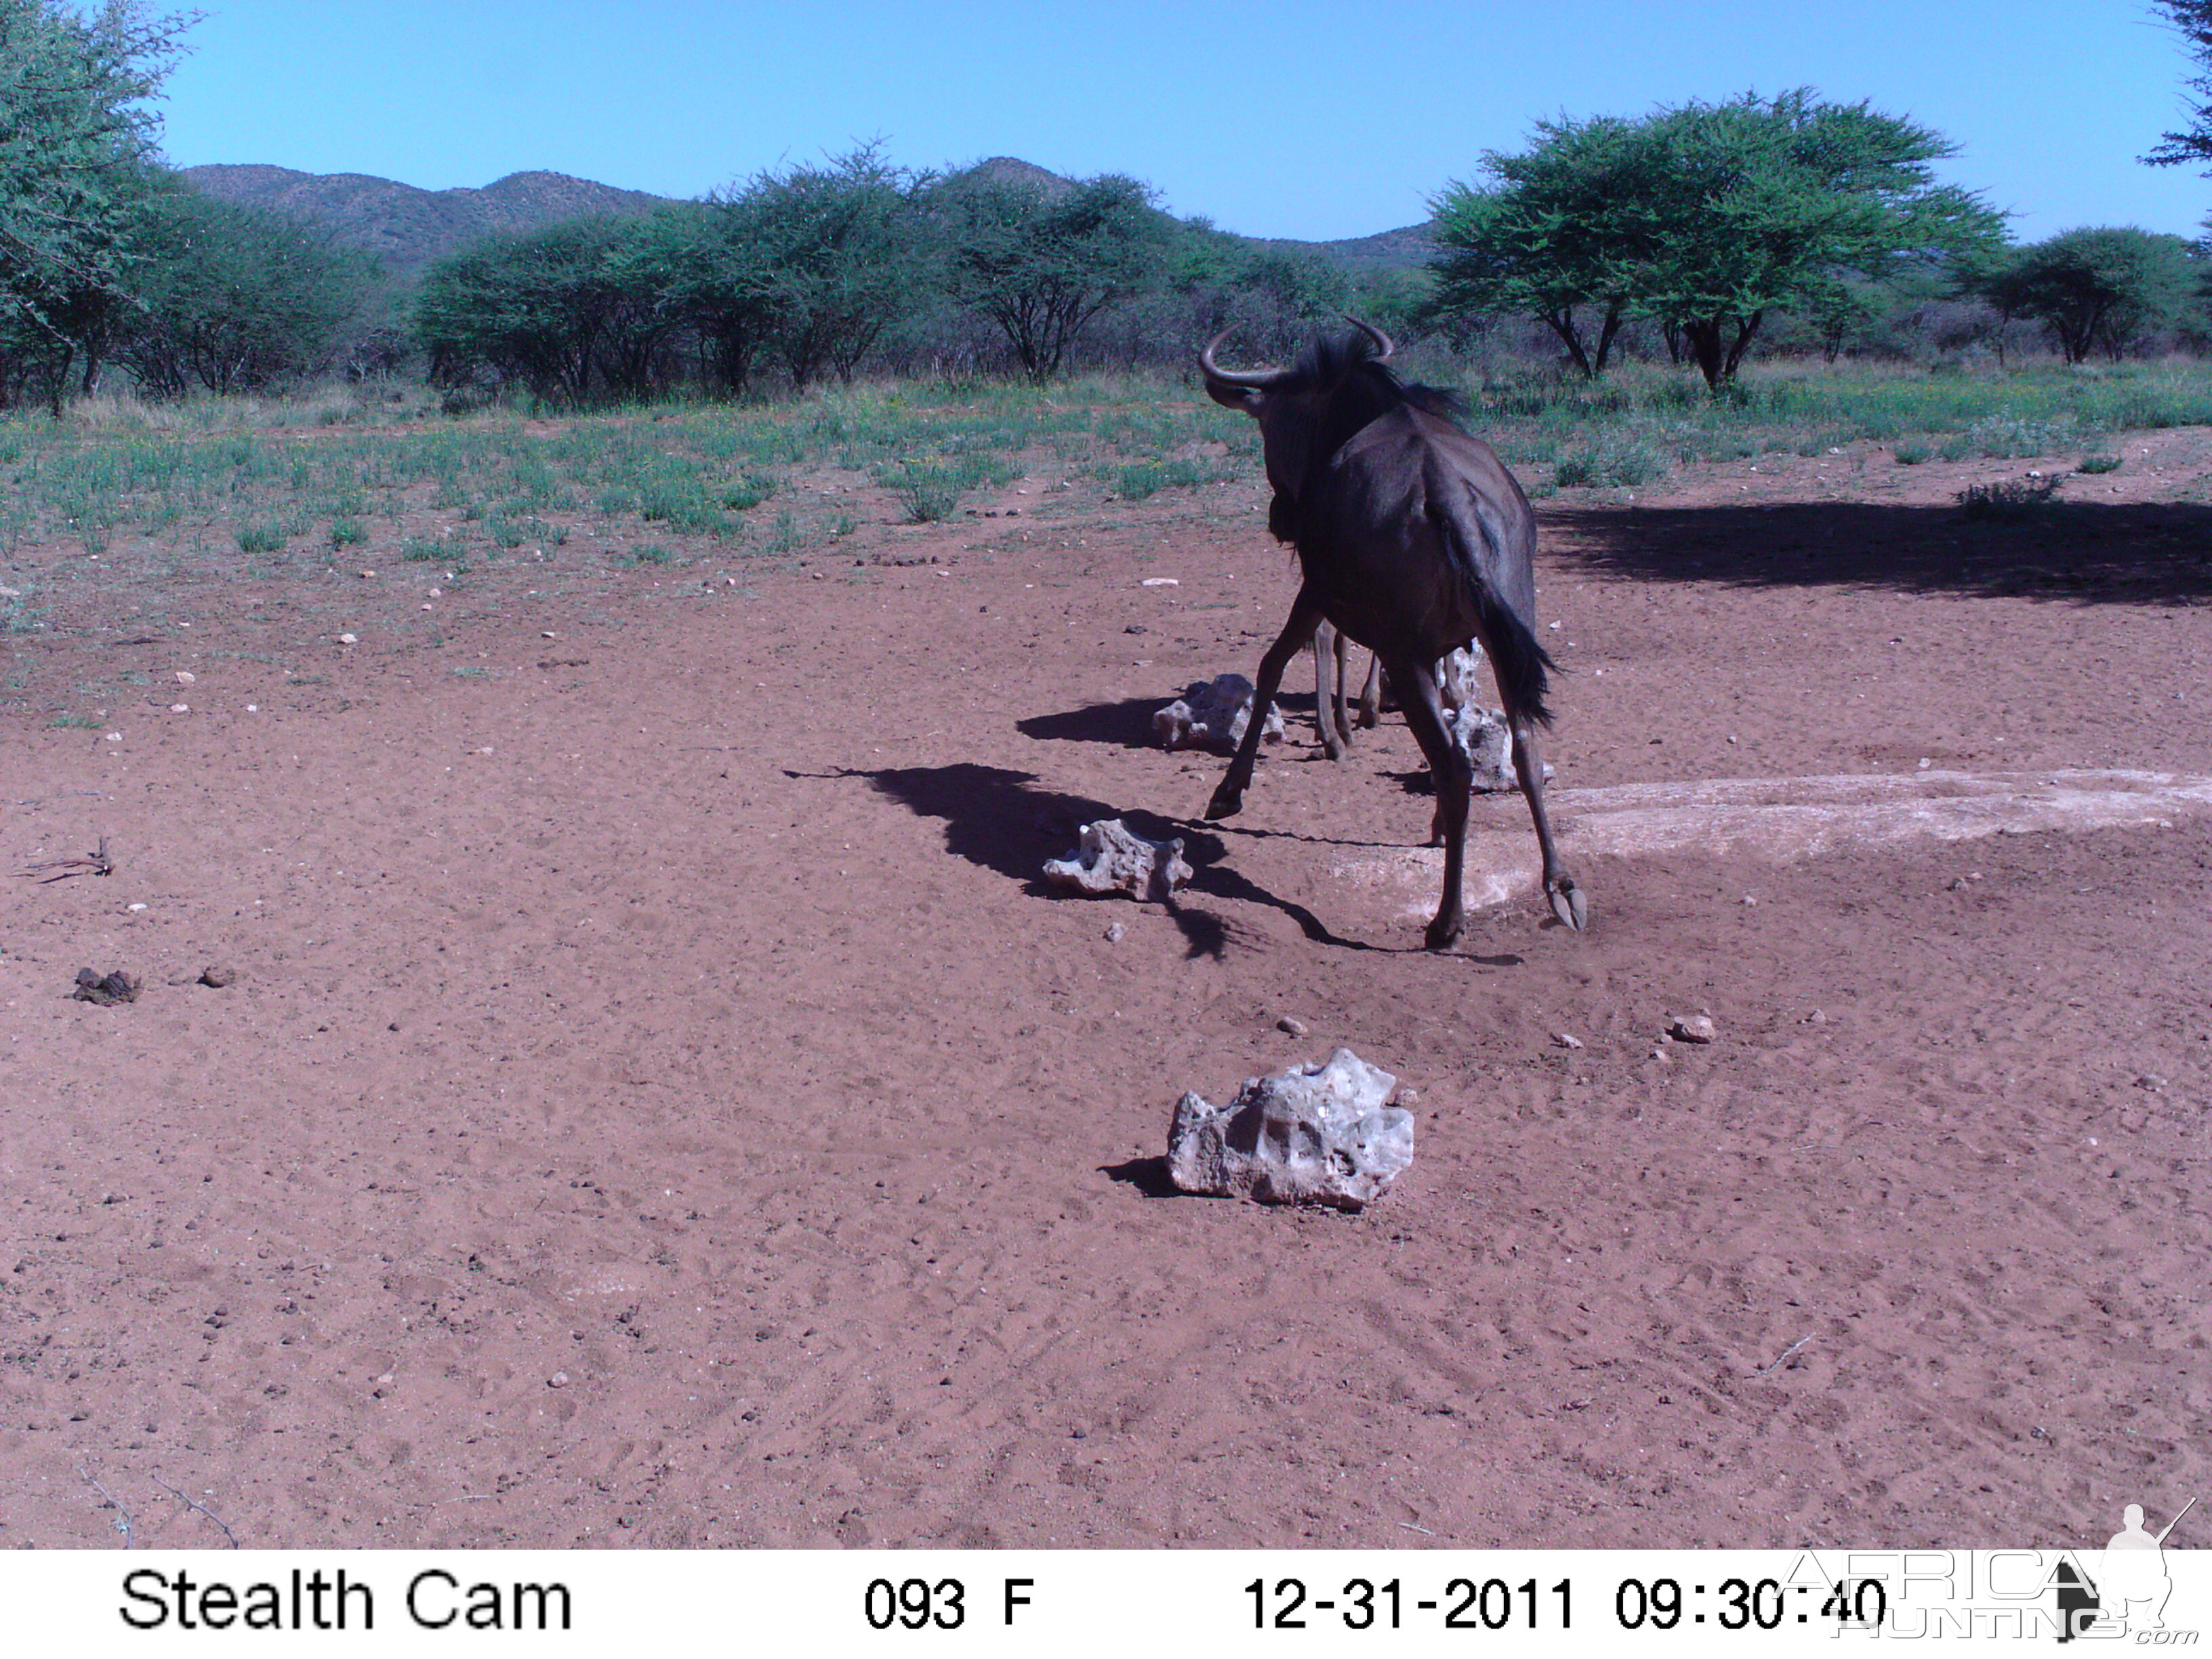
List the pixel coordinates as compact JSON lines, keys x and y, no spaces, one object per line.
{"x":1487,"y":741}
{"x":1109,"y":859}
{"x":1213,"y":715}
{"x":1463,"y":679}
{"x":1313,"y":1134}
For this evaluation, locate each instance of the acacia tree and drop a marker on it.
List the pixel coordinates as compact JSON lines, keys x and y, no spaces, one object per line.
{"x":1547,"y":239}
{"x":712,"y":270}
{"x":832,"y":253}
{"x":76,"y":146}
{"x":1041,"y":263}
{"x":2098,"y":289}
{"x":2193,"y":19}
{"x":230,"y":298}
{"x":561,"y":309}
{"x":1706,"y":218}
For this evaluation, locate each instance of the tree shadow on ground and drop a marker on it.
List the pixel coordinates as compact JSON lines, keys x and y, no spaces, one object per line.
{"x":997,"y":818}
{"x":2079,"y":552}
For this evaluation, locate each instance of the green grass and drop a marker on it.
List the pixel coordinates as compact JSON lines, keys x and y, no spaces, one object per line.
{"x":2014,"y":501}
{"x":209,"y":472}
{"x":1611,"y":460}
{"x":2096,"y":464}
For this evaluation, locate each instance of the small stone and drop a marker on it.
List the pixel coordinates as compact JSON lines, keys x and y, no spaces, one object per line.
{"x":549,"y":635}
{"x":1407,"y":1099}
{"x":1816,"y":1017}
{"x":1162,"y":581}
{"x":2150,"y":1080}
{"x":369,"y":575}
{"x":558,"y":1380}
{"x":1566,"y":1041}
{"x":180,"y":708}
{"x":1293,"y":1025}
{"x":1690,"y":1028}
{"x":217,"y":975}
{"x":139,"y":906}
{"x":1748,"y":899}
{"x":1114,"y":930}
{"x":184,"y":676}
{"x":349,"y":639}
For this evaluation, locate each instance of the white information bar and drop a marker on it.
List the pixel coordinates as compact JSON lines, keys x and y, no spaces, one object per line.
{"x":982,"y":1602}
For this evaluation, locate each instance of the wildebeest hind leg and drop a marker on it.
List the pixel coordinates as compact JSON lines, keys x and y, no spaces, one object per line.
{"x":1371,"y":695}
{"x":1329,"y":652}
{"x":1297,"y":633}
{"x":1454,"y":776}
{"x":1569,"y":903}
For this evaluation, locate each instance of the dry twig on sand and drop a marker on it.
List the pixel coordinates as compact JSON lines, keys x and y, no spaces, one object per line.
{"x":124,"y":1524}
{"x":193,"y":1503}
{"x":93,"y":864}
{"x":1786,"y":1353}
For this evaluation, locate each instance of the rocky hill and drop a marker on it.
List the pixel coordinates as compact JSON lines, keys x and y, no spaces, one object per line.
{"x":408,"y":227}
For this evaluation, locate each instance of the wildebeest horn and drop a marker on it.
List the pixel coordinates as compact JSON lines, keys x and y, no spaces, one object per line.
{"x":1382,"y":345}
{"x":1213,"y":371}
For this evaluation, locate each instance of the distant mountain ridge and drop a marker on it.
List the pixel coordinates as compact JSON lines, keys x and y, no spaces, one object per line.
{"x":409,"y":228}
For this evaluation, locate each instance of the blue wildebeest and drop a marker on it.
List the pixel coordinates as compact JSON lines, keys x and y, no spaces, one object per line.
{"x":1413,"y":539}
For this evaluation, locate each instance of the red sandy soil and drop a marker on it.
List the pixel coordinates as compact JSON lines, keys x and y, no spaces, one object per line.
{"x":660,"y":1104}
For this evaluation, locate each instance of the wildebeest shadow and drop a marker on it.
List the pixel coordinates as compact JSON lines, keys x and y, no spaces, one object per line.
{"x":2076,"y":552}
{"x":1128,"y":723}
{"x":997,"y":818}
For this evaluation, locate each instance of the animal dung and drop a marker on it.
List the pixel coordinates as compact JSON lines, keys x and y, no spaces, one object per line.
{"x":1109,"y":859}
{"x":1313,"y":1134}
{"x":105,"y":989}
{"x":1213,"y":715}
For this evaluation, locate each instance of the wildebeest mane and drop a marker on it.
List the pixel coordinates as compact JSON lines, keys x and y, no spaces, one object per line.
{"x":1360,"y":390}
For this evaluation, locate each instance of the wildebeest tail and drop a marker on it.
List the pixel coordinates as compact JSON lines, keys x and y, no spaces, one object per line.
{"x":1484,"y":564}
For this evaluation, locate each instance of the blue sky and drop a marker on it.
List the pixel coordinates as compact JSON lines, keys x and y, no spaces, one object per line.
{"x":1282,"y":119}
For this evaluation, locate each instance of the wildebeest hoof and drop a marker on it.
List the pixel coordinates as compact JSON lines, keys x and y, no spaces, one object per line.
{"x":1441,"y":934}
{"x":1227,"y":803}
{"x":1568,"y":903}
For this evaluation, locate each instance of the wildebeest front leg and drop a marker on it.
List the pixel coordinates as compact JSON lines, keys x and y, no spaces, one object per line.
{"x":1455,"y":776}
{"x":1567,"y":901}
{"x":1229,"y":794}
